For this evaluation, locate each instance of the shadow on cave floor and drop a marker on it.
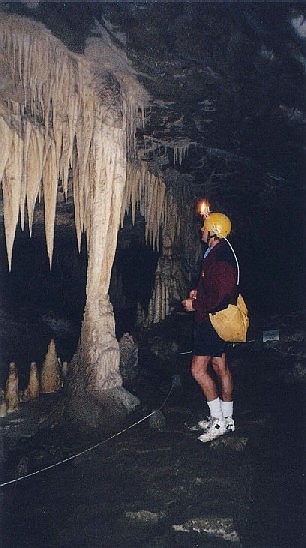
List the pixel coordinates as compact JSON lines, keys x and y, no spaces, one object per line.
{"x":156,"y":484}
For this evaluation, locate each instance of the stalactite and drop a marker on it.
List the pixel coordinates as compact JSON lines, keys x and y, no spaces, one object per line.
{"x":11,"y":183}
{"x":180,"y":151}
{"x":148,"y":192}
{"x":33,"y":170}
{"x":50,"y":74}
{"x":50,"y":181}
{"x":6,"y":141}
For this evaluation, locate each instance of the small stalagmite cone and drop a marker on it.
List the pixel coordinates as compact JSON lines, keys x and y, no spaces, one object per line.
{"x":32,"y":390}
{"x":11,"y":389}
{"x":64,"y":369}
{"x":2,"y":404}
{"x":50,"y":380}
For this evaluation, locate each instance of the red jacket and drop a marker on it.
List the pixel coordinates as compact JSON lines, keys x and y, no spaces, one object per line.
{"x":217,"y":285}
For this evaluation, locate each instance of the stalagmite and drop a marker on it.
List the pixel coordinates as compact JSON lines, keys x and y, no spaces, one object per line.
{"x":64,"y":370}
{"x":32,"y":390}
{"x":50,"y":380}
{"x":128,"y":358}
{"x":11,"y":389}
{"x":2,"y":403}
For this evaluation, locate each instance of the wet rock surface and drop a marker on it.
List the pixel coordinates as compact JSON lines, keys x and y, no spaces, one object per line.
{"x":154,"y":483}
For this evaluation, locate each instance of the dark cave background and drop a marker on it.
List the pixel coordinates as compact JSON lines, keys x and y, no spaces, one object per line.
{"x":227,"y":77}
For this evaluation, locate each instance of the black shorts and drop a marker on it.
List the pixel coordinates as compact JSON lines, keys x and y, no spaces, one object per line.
{"x":206,"y":342}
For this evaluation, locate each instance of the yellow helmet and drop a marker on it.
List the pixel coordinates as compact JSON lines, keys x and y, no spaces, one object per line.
{"x":218,"y":224}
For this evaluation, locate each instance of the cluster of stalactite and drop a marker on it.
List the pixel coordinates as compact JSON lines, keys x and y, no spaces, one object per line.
{"x":178,"y":149}
{"x":53,"y":120}
{"x":42,"y":123}
{"x":148,"y":192}
{"x":48,"y":380}
{"x":159,"y":303}
{"x":171,"y":281}
{"x":177,"y":264}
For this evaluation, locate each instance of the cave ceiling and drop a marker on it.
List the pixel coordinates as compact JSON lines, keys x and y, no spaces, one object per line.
{"x":226,"y":116}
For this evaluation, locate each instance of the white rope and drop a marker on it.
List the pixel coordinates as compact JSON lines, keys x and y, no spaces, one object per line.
{"x":89,"y":448}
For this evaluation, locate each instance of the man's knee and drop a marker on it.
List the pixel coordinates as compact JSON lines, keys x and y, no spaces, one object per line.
{"x":199,"y":367}
{"x":219,"y":365}
{"x":195,"y":369}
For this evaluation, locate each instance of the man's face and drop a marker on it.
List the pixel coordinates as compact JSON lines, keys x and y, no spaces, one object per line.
{"x":204,"y":234}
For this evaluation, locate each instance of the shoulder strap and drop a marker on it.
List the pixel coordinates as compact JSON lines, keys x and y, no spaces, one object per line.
{"x":238,"y":269}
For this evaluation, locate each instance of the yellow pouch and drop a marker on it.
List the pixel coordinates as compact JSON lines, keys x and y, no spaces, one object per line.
{"x":232,"y":323}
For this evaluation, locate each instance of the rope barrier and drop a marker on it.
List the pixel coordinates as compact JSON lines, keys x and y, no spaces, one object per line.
{"x":15,"y":480}
{"x":299,"y":355}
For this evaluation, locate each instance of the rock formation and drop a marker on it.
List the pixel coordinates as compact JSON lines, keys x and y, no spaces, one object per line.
{"x":2,"y":404}
{"x":32,"y":390}
{"x":50,"y":378}
{"x":128,"y":359}
{"x":11,"y":389}
{"x":64,"y":370}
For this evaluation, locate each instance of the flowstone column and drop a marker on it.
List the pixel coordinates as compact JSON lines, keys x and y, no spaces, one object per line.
{"x":97,"y":396}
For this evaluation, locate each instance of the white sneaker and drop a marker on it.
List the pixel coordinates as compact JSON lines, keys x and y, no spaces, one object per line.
{"x":216,"y":428}
{"x":198,"y":426}
{"x":205,"y":423}
{"x":229,"y":424}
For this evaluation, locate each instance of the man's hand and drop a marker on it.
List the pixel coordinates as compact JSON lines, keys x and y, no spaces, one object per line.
{"x":187,"y":304}
{"x":193,"y":294}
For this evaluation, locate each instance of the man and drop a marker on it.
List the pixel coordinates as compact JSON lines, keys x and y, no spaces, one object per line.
{"x":215,"y":290}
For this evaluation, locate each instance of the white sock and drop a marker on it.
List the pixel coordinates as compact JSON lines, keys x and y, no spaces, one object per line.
{"x":227,"y":408}
{"x":215,"y":408}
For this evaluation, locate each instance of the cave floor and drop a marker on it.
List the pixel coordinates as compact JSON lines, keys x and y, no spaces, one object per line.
{"x":157,"y":485}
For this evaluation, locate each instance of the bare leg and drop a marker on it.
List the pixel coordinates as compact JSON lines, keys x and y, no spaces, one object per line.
{"x":224,"y":375}
{"x":203,"y":378}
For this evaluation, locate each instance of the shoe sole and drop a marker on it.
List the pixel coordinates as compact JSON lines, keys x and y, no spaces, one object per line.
{"x":213,"y":437}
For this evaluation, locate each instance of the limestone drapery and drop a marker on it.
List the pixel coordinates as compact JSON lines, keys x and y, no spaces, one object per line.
{"x":55,"y":121}
{"x":62,"y":116}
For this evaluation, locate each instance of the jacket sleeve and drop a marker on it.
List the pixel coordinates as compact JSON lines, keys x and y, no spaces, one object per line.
{"x":216,"y":290}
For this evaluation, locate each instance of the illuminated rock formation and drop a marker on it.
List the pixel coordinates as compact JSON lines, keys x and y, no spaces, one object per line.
{"x":170,"y":283}
{"x":11,"y":389}
{"x":50,"y":378}
{"x":2,"y":404}
{"x":59,"y":118}
{"x":32,"y":390}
